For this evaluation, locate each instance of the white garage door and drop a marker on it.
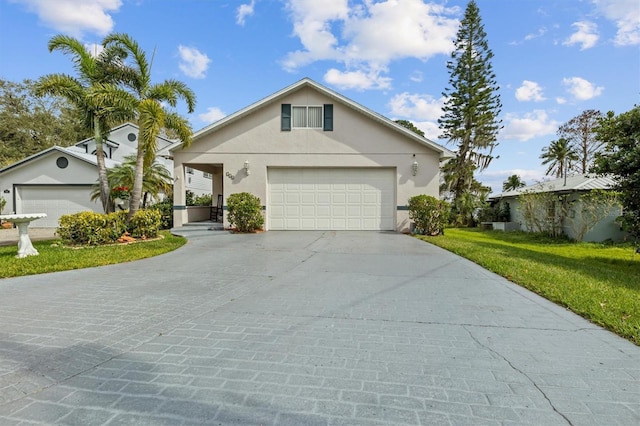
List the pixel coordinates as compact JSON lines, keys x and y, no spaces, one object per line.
{"x":55,"y":201}
{"x":331,"y":199}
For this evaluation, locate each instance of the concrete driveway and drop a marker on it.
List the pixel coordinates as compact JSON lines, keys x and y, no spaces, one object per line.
{"x":303,"y":328}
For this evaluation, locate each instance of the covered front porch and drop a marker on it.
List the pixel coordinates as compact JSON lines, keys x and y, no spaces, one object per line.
{"x":185,"y":178}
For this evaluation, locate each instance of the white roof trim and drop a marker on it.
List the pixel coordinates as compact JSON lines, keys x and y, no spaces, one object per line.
{"x":444,"y":152}
{"x":87,"y":158}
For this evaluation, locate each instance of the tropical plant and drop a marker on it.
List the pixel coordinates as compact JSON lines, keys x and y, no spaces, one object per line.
{"x":156,"y":180}
{"x":621,"y":159}
{"x":512,"y":183}
{"x":152,"y":116}
{"x":429,"y":214}
{"x":471,"y":111}
{"x":559,"y":155}
{"x":244,"y":212}
{"x":580,"y":131}
{"x":94,"y":93}
{"x":3,"y":203}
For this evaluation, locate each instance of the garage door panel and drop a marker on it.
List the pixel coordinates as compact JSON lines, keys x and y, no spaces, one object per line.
{"x":55,"y":201}
{"x":331,"y":199}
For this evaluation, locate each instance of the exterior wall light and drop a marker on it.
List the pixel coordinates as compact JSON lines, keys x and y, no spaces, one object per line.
{"x":414,"y":166}
{"x":246,"y":168}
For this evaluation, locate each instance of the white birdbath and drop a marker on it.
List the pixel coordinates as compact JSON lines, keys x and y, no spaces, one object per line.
{"x":25,"y":248}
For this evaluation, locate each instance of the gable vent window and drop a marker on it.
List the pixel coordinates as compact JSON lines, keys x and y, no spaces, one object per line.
{"x":307,"y":117}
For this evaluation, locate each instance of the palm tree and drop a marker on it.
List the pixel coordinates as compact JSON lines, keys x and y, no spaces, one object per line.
{"x":156,"y":179}
{"x":559,"y":155}
{"x":95,"y":93}
{"x":512,"y":183}
{"x":153,"y":118}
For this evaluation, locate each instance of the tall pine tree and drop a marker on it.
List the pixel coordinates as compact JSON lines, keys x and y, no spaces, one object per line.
{"x":470,"y":119}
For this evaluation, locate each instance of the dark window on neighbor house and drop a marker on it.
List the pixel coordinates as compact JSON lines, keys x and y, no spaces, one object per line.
{"x":206,"y":175}
{"x":307,"y":117}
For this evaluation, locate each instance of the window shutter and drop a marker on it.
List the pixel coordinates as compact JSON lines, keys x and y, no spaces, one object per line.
{"x":328,"y":117}
{"x":285,"y":120}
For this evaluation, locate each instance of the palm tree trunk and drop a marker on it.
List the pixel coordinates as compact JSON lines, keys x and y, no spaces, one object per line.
{"x":136,"y":194}
{"x":105,"y":191}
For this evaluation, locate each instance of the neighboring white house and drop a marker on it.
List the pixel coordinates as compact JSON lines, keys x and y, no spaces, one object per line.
{"x":58,"y":180}
{"x":316,"y":160}
{"x":574,"y":187}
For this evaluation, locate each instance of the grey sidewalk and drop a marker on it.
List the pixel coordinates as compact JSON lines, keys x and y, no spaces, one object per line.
{"x":10,"y":236}
{"x":303,"y":328}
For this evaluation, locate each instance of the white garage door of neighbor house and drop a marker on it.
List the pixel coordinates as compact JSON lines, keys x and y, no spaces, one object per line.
{"x":55,"y":201}
{"x":331,"y":199}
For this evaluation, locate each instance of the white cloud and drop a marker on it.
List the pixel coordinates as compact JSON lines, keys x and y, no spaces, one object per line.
{"x":416,"y":76}
{"x":94,"y":49}
{"x":528,"y":126}
{"x":192,"y":62}
{"x":416,"y":106}
{"x":625,"y":14}
{"x":359,"y":80}
{"x":586,"y":35}
{"x":581,"y":89}
{"x":541,"y":31}
{"x":529,"y":91}
{"x":368,"y":36}
{"x":245,"y":10}
{"x":75,"y":17}
{"x":560,"y":100}
{"x":212,"y":115}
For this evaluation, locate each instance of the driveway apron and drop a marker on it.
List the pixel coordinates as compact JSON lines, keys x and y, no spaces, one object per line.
{"x":303,"y":328}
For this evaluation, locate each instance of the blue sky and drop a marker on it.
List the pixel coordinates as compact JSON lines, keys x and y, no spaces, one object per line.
{"x":553,"y":58}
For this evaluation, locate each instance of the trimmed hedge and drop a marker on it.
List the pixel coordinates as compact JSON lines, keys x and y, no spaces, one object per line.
{"x":428,"y":214}
{"x":91,"y":228}
{"x":244,"y":212}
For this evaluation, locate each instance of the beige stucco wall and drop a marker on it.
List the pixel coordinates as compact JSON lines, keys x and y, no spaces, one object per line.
{"x":356,"y":141}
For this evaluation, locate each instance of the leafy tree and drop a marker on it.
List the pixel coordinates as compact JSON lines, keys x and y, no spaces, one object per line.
{"x":621,"y":158}
{"x":580,"y":131}
{"x":95,"y":94}
{"x":29,"y":123}
{"x":152,"y":116}
{"x":470,"y":118}
{"x":559,"y":155}
{"x":409,"y":125}
{"x":156,"y":179}
{"x":589,"y":209}
{"x":512,"y":183}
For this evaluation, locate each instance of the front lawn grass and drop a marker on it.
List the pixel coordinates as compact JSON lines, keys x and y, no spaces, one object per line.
{"x":55,"y":257}
{"x":597,"y":281}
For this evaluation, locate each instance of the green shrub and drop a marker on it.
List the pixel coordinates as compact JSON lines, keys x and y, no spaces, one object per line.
{"x":244,"y":212}
{"x":429,"y":214}
{"x":92,"y":228}
{"x":165,"y":207}
{"x":145,"y":223}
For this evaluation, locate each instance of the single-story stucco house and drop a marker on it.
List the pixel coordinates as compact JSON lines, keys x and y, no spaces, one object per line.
{"x":573,"y":187}
{"x":316,"y":159}
{"x":58,"y":180}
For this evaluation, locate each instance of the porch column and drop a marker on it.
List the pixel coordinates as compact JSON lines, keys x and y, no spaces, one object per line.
{"x":180,"y":216}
